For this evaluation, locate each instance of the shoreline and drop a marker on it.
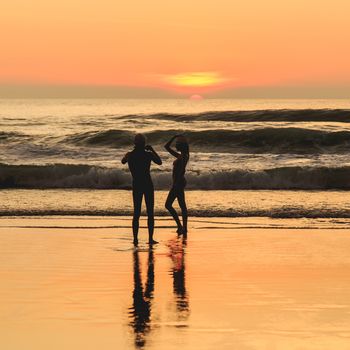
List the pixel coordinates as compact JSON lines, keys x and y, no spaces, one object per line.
{"x":237,"y":205}
{"x":166,"y":222}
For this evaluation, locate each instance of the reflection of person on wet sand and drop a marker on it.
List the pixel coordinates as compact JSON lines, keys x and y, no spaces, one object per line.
{"x":140,"y":312}
{"x":177,"y":255}
{"x":179,"y":182}
{"x":139,"y":161}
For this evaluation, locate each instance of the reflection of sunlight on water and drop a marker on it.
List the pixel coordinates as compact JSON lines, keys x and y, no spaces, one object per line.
{"x":239,"y":288}
{"x":250,"y":286}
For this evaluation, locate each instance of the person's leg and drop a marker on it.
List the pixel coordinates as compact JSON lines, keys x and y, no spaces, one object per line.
{"x":182,"y":203}
{"x":169,"y":205}
{"x":137,"y":199}
{"x":149,"y":199}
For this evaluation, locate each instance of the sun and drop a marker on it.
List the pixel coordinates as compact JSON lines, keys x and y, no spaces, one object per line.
{"x":196,"y":97}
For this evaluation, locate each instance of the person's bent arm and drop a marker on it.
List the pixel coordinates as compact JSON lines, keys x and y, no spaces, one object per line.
{"x":154,"y":155}
{"x":125,"y":158}
{"x":167,"y":146}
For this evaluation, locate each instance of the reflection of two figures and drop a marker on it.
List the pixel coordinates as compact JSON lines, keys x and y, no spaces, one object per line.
{"x":140,"y":312}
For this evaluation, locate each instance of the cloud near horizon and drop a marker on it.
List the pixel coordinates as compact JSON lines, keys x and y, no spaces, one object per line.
{"x":195,"y":79}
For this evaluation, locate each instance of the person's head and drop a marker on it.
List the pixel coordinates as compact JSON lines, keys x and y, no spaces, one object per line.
{"x":182,"y":144}
{"x":140,"y":141}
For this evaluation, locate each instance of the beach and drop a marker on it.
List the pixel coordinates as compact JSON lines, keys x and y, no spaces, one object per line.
{"x":78,"y":282}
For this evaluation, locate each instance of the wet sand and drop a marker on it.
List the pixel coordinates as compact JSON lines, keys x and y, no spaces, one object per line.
{"x":77,"y":283}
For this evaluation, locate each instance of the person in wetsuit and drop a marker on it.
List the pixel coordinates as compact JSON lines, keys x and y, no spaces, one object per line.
{"x":182,"y":155}
{"x":139,"y":162}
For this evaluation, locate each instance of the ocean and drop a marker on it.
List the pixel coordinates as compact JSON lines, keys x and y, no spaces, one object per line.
{"x":249,"y":158}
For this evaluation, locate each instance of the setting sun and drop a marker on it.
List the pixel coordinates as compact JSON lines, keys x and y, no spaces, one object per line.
{"x":196,"y":97}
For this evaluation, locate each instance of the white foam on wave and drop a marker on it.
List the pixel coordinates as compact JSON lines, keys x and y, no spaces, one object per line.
{"x":95,"y":177}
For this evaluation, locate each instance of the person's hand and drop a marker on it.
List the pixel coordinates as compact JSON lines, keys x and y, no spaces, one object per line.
{"x":173,"y":138}
{"x":148,"y":148}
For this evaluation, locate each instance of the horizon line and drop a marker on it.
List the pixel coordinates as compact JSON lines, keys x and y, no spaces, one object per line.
{"x":47,"y":90}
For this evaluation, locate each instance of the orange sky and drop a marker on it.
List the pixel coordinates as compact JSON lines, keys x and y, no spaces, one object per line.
{"x":159,"y":43}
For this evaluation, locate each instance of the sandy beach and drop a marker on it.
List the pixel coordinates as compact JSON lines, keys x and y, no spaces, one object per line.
{"x":78,"y":283}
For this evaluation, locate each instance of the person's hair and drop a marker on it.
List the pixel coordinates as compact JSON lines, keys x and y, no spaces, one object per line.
{"x":183,"y":146}
{"x":140,"y":140}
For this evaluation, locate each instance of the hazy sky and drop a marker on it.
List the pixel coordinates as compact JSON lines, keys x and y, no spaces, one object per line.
{"x":189,"y":46}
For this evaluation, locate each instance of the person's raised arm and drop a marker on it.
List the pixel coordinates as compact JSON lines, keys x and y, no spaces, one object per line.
{"x":167,"y":146}
{"x":125,"y":158}
{"x":154,"y":155}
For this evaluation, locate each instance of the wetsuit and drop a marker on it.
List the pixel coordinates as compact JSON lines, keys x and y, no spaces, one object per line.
{"x":178,"y":191}
{"x":179,"y":167}
{"x":139,"y":162}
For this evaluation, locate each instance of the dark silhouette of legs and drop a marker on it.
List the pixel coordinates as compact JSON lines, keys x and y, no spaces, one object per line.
{"x":137,"y":199}
{"x":149,"y":199}
{"x":178,"y":193}
{"x":169,"y":206}
{"x":182,"y":203}
{"x":138,"y":194}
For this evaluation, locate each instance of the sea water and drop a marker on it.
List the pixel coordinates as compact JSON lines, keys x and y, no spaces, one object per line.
{"x":237,"y":146}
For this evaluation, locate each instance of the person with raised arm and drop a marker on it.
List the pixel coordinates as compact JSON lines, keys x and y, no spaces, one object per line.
{"x":139,"y":162}
{"x":177,"y":191}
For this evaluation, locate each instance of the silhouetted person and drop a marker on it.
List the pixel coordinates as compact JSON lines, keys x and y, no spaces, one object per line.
{"x":139,"y":162}
{"x":179,"y":182}
{"x":140,"y":312}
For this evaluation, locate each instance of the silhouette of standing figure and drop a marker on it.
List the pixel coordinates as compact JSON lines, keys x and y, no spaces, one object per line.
{"x":179,"y":182}
{"x":139,"y":162}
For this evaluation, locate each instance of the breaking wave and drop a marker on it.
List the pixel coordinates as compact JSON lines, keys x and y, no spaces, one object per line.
{"x":94,"y":177}
{"x":263,"y":140}
{"x":269,"y":115}
{"x":11,"y":136}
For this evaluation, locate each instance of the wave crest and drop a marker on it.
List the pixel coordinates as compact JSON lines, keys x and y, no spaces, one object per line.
{"x":268,"y":115}
{"x":263,"y":140}
{"x":11,"y":136}
{"x":94,"y":177}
